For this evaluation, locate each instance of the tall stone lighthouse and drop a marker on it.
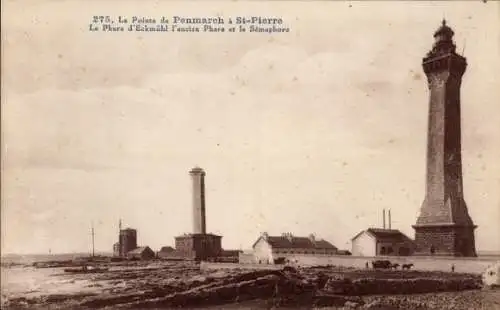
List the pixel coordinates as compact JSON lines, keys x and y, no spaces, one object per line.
{"x":198,"y":179}
{"x":444,"y":226}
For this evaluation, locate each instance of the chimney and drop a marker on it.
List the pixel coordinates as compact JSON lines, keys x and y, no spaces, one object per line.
{"x":198,"y":198}
{"x":264,"y":235}
{"x":389,"y":219}
{"x":383,"y":215}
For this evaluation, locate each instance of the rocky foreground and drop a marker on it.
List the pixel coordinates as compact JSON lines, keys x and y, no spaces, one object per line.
{"x":187,"y":286}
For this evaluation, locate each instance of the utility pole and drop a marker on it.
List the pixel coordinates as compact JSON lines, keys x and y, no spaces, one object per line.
{"x":120,"y":252}
{"x":92,"y":239}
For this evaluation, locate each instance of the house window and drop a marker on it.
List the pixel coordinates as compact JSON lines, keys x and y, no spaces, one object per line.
{"x":382,"y":251}
{"x":389,"y":250}
{"x":433,"y":250}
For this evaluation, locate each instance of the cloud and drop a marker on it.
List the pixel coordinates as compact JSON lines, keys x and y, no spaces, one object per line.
{"x":292,"y":132}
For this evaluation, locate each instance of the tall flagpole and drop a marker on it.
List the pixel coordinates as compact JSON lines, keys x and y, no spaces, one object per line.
{"x":92,"y":239}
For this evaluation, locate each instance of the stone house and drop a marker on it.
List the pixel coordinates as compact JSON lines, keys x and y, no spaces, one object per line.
{"x":142,"y":253}
{"x":165,"y":252}
{"x":344,"y":252}
{"x":382,"y":242}
{"x":267,"y":249}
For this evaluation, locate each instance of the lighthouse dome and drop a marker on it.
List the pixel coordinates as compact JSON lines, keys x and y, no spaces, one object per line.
{"x":444,"y":31}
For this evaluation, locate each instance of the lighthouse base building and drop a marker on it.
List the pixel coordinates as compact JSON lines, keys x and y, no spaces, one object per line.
{"x":198,"y":246}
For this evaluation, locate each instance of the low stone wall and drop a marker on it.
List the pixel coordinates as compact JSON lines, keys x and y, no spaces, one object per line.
{"x":465,"y":265}
{"x":426,"y":263}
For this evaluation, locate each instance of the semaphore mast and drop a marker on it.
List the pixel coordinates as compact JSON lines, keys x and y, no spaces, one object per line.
{"x":93,"y":239}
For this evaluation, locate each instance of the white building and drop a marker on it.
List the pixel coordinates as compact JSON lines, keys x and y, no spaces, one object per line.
{"x":375,"y":241}
{"x":268,"y":249}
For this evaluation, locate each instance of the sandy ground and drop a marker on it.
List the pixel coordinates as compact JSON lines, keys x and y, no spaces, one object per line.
{"x":168,"y":285}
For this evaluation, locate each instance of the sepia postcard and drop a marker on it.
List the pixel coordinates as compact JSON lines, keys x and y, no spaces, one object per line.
{"x":250,"y":154}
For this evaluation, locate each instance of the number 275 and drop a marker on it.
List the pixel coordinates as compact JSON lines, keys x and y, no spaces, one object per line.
{"x":101,"y":19}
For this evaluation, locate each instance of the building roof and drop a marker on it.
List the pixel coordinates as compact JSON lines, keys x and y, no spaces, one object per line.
{"x":190,"y":235}
{"x":444,"y":29}
{"x":292,"y":242}
{"x":385,"y":234}
{"x":139,"y":250}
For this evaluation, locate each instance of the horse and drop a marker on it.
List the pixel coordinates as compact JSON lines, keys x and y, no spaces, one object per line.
{"x":406,"y":266}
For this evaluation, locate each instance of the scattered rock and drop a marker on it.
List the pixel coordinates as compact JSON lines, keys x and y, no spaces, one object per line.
{"x":351,"y":305}
{"x":187,"y":286}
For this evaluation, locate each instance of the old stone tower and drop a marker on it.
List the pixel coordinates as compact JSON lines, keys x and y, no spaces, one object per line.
{"x":444,"y":226}
{"x":198,"y":245}
{"x":198,"y":178}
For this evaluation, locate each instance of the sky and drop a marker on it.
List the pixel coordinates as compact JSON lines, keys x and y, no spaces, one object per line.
{"x":312,"y":131}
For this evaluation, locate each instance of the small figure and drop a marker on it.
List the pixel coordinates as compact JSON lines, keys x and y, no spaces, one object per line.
{"x":366,"y":265}
{"x":452,"y":267}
